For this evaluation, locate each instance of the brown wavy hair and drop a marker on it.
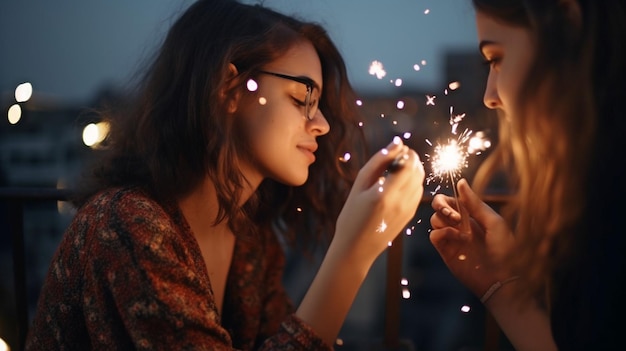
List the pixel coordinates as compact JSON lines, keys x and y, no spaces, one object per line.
{"x":176,"y":131}
{"x":564,"y":134}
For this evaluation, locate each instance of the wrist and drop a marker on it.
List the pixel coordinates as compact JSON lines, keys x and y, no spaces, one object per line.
{"x":495,"y":287}
{"x":348,"y":258}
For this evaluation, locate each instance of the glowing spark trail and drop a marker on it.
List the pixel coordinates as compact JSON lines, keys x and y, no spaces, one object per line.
{"x":448,"y":160}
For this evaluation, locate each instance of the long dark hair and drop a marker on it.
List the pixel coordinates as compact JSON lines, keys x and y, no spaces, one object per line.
{"x":565,"y":132}
{"x":176,"y":132}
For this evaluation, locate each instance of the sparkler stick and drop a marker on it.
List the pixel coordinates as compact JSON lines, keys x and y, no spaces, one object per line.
{"x":465,"y":224}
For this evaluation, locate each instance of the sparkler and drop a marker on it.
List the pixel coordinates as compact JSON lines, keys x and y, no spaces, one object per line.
{"x":449,"y":160}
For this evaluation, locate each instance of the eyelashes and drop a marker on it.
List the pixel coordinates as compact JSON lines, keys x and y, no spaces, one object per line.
{"x":298,"y":101}
{"x":301,"y":103}
{"x":493,"y":62}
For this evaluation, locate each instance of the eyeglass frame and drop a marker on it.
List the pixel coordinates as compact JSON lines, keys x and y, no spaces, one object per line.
{"x":310,"y":85}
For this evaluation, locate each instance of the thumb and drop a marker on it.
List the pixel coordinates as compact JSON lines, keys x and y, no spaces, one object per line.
{"x":475,"y":207}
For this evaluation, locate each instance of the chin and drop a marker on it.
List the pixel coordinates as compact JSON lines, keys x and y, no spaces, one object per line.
{"x":295,"y":180}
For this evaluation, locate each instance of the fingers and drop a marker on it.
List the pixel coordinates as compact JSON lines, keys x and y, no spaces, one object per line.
{"x":476,"y":208}
{"x":446,"y":209}
{"x":444,"y":239}
{"x":401,"y":167}
{"x":409,"y":176}
{"x":378,"y":163}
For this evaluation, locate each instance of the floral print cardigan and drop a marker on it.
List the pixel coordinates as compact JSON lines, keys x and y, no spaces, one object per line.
{"x":129,"y":275}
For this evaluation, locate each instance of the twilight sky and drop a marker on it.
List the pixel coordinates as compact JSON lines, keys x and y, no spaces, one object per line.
{"x":69,"y":49}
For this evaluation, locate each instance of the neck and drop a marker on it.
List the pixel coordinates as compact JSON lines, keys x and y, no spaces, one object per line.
{"x":200,"y":207}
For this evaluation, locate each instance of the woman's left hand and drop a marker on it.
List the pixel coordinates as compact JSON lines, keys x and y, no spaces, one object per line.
{"x":473,"y":242}
{"x":380,"y":204}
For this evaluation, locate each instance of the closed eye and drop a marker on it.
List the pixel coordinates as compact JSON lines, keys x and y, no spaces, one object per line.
{"x":493,"y":62}
{"x":298,"y":102}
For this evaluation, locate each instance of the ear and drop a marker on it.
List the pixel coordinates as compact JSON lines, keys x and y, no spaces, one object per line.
{"x":229,"y":94}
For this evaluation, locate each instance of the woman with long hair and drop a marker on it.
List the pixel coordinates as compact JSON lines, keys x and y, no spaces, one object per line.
{"x":236,"y":134}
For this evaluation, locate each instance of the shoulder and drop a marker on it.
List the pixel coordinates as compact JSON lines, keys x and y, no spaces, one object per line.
{"x":122,"y":196}
{"x":127,"y":212}
{"x":125,"y":202}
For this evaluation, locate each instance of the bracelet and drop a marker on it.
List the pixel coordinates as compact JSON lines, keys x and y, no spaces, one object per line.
{"x":497,"y":285}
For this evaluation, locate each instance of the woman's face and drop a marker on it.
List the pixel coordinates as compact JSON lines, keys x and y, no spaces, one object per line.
{"x":509,"y":52}
{"x":282,"y":139}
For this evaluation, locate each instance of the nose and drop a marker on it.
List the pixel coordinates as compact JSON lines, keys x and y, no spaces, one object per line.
{"x":318,"y":125}
{"x":491,"y":99}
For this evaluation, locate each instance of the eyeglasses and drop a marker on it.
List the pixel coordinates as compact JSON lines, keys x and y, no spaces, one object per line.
{"x":309,"y":110}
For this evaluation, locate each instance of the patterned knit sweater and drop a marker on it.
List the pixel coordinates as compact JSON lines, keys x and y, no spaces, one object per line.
{"x":129,"y":275}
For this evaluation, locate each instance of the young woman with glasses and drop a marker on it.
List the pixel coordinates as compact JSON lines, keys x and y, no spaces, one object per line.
{"x":236,"y":134}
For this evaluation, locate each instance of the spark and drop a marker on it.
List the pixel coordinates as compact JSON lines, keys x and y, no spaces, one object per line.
{"x":454,"y":85}
{"x":377,"y":69}
{"x":252,"y":85}
{"x":430,"y":100}
{"x":448,"y":160}
{"x":346,"y":157}
{"x":382,"y":227}
{"x":406,"y":293}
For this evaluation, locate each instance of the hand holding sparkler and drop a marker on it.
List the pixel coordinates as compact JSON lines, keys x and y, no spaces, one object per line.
{"x":476,"y":255}
{"x":382,"y":201}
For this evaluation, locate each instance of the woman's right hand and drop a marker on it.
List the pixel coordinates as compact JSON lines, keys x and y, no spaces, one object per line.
{"x":380,"y":203}
{"x":474,"y":253}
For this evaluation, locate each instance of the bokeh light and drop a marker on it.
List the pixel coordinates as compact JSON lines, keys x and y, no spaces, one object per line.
{"x":23,"y":92}
{"x":95,"y":133}
{"x":15,"y":114}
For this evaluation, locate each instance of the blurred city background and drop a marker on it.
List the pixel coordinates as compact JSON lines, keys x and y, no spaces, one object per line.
{"x":414,"y":64}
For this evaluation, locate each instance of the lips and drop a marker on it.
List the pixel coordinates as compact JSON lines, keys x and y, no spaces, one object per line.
{"x":312,"y":147}
{"x":309,"y":149}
